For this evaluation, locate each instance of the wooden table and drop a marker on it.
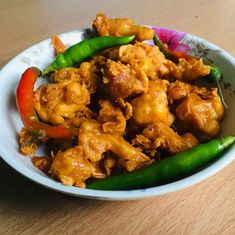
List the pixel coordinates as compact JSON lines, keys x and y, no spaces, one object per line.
{"x":26,"y":208}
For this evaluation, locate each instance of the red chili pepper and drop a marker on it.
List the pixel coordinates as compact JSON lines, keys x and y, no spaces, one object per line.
{"x":24,"y":100}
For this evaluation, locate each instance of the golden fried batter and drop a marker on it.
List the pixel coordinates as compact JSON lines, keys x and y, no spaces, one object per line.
{"x":95,"y":142}
{"x":28,"y":142}
{"x":85,"y":74}
{"x":58,"y":45}
{"x":111,"y":118}
{"x":153,"y":105}
{"x":126,"y":108}
{"x":109,"y":163}
{"x":187,"y":70}
{"x":73,"y":168}
{"x":148,"y":58}
{"x":121,"y":27}
{"x":59,"y":101}
{"x":178,"y":90}
{"x":159,"y":134}
{"x":43,"y":163}
{"x":124,"y":80}
{"x":201,"y":115}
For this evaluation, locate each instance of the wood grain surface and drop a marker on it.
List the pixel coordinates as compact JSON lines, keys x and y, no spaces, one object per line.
{"x":26,"y":208}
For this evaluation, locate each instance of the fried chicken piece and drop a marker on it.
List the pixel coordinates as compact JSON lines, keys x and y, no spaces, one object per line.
{"x":87,"y":71}
{"x":111,"y":118}
{"x":59,"y":101}
{"x":188,"y":70}
{"x":66,"y":74}
{"x":158,"y":134}
{"x":153,"y":105}
{"x":43,"y":163}
{"x":178,"y":90}
{"x":85,"y":74}
{"x":149,"y":58}
{"x":126,"y":108}
{"x":58,"y":45}
{"x":73,"y":168}
{"x":154,"y":63}
{"x":95,"y":142}
{"x":79,"y":118}
{"x":121,"y":27}
{"x":123,"y":80}
{"x":200,"y":109}
{"x":29,"y":142}
{"x":201,"y":115}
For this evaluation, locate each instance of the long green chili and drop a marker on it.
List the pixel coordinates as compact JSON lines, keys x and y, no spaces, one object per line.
{"x":168,"y":169}
{"x":84,"y":50}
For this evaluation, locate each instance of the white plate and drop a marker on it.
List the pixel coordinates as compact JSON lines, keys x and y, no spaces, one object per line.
{"x":41,"y":55}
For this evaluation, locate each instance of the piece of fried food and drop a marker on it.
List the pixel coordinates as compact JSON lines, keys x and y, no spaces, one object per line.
{"x":121,"y":27}
{"x":111,"y":118}
{"x":158,"y":134}
{"x":187,"y":70}
{"x":58,"y":45}
{"x":29,"y":142}
{"x":123,"y":81}
{"x":179,"y":90}
{"x":73,"y":168}
{"x":95,"y":142}
{"x":59,"y":101}
{"x":153,"y":105}
{"x":201,"y":114}
{"x":85,"y":75}
{"x":149,"y":58}
{"x":43,"y":163}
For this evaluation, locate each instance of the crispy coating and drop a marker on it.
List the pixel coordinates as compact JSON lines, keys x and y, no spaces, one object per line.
{"x":187,"y":70}
{"x":73,"y":168}
{"x":158,"y":134}
{"x":149,"y":58}
{"x":58,"y":45}
{"x":111,"y":118}
{"x":124,"y":81}
{"x":66,"y":74}
{"x":85,"y":74}
{"x":179,"y":90}
{"x":29,"y":142}
{"x":59,"y":101}
{"x":121,"y":27}
{"x":153,"y":105}
{"x":109,"y":162}
{"x":95,"y":142}
{"x":126,"y":108}
{"x":201,"y":115}
{"x":43,"y":163}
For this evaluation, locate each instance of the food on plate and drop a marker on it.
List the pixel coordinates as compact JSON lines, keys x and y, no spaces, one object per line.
{"x":174,"y":167}
{"x":84,"y":50}
{"x":117,"y":105}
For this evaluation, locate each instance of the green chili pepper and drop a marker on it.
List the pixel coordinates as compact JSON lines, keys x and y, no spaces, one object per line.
{"x":84,"y":50}
{"x":215,"y":73}
{"x":168,"y":169}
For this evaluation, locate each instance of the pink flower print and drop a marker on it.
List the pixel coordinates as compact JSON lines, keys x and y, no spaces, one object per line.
{"x":172,"y":39}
